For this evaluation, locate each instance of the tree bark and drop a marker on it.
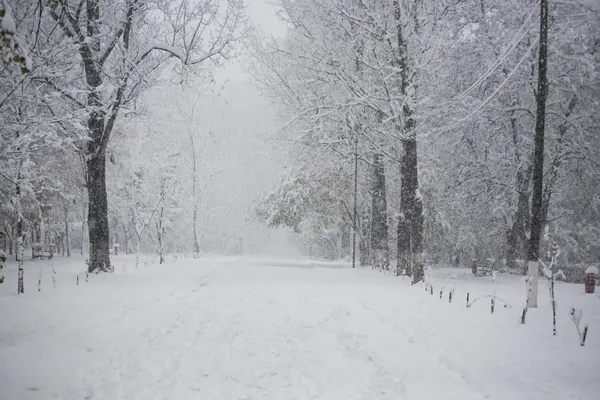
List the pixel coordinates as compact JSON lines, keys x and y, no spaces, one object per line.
{"x":413,"y":207}
{"x":537,"y":218}
{"x":98,"y":214}
{"x":410,"y":224}
{"x":11,"y":245}
{"x":83,"y":219}
{"x":379,"y":223}
{"x":516,"y":235}
{"x":19,"y":251}
{"x":160,"y":230}
{"x":363,"y":238}
{"x":355,"y":205}
{"x":195,"y":216}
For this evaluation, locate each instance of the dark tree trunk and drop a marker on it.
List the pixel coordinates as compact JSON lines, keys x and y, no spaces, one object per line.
{"x":403,"y":233}
{"x":413,"y":207}
{"x":355,"y":205}
{"x":19,"y":251}
{"x":537,"y":218}
{"x":516,"y":235}
{"x":83,"y":219}
{"x":410,"y":225}
{"x":96,"y":148}
{"x":98,"y":214}
{"x":67,"y":242}
{"x":11,"y":245}
{"x":379,"y":222}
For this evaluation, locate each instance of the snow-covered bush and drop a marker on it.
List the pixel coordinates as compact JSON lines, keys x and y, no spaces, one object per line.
{"x":11,"y":49}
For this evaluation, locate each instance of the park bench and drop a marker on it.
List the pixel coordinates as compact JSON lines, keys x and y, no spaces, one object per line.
{"x":37,"y":253}
{"x":482,"y":270}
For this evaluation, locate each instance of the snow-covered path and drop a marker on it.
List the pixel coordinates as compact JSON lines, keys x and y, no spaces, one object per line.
{"x":242,"y":329}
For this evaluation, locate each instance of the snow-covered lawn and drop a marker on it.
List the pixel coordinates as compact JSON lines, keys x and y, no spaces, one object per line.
{"x":251,"y":328}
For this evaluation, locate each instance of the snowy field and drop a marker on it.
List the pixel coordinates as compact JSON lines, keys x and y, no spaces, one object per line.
{"x":252,"y":328}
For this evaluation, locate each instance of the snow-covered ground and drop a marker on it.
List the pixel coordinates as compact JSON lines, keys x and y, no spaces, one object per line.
{"x":258,"y":328}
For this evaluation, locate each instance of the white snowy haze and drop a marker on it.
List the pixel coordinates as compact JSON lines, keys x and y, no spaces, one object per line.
{"x":230,"y":123}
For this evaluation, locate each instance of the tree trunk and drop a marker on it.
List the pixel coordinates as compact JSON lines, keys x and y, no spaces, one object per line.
{"x":379,"y":224}
{"x":538,"y":159}
{"x":20,"y":248}
{"x":11,"y":244}
{"x":83,"y":219}
{"x":345,"y":239}
{"x":196,"y":239}
{"x":517,"y":237}
{"x":160,"y":231}
{"x":413,"y":207}
{"x":194,"y":197}
{"x":355,"y":205}
{"x":96,"y":149}
{"x":511,"y":245}
{"x":98,"y":214}
{"x":363,"y":239}
{"x":410,"y":224}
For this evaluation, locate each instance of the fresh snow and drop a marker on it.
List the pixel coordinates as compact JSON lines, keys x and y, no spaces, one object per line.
{"x":592,"y":270}
{"x":266,"y":328}
{"x":7,"y":23}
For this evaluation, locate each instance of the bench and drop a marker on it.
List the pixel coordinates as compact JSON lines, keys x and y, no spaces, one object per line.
{"x":481,"y":270}
{"x":38,"y":254}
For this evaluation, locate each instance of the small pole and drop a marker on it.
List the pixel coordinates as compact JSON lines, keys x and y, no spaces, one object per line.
{"x":585,"y":330}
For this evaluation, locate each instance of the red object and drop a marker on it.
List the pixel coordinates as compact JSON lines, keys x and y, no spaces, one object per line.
{"x":590,"y":283}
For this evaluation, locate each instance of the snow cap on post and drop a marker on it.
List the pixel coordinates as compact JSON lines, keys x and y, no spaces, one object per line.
{"x":592,"y":270}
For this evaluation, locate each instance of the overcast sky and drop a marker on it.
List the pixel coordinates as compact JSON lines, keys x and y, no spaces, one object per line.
{"x":234,"y":109}
{"x":261,"y":14}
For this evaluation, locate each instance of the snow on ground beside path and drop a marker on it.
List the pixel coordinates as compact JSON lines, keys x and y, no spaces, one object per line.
{"x":259,"y":328}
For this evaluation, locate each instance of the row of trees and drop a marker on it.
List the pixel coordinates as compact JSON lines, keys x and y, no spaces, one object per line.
{"x":69,"y":70}
{"x":438,"y":102}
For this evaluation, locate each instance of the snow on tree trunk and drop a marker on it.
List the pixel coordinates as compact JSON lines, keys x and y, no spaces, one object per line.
{"x":538,"y":160}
